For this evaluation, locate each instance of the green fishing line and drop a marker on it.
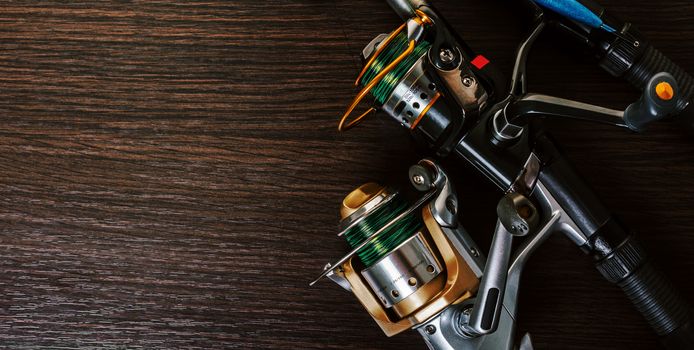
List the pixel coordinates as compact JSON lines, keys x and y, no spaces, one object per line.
{"x":396,"y":47}
{"x":388,"y":240}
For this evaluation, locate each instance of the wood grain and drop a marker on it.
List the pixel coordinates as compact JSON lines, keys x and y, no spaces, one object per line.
{"x":170,"y":174}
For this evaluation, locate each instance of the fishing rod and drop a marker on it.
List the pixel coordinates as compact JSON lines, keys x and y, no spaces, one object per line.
{"x":456,"y":102}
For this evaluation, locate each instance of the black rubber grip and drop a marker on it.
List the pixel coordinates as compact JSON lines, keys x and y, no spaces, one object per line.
{"x":653,"y":295}
{"x":653,"y":62}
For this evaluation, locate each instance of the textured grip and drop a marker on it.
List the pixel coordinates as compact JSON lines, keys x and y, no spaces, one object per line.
{"x":653,"y":62}
{"x":651,"y":292}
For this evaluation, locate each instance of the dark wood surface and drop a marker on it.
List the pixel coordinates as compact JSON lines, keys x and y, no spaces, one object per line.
{"x":170,"y":174}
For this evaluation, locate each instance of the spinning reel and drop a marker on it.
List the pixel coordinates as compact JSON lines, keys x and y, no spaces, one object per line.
{"x":412,"y":265}
{"x":431,"y":82}
{"x":408,"y":71}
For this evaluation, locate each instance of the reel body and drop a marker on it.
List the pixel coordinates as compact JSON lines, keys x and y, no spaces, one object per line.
{"x":407,"y":263}
{"x":413,"y":266}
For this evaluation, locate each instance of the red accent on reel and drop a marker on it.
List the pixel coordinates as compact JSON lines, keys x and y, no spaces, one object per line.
{"x":479,"y":62}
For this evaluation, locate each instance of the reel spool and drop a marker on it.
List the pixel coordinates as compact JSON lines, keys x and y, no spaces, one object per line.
{"x":404,"y":267}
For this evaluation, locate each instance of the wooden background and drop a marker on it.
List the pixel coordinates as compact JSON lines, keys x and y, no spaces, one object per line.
{"x":170,"y":174}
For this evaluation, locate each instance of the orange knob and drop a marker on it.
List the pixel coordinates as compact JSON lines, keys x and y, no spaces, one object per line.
{"x":665,"y":91}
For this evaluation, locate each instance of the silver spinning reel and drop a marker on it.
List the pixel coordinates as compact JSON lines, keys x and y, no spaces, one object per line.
{"x":413,"y":266}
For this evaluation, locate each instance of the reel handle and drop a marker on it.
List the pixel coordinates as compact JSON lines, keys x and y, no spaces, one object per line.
{"x":659,"y":99}
{"x":626,"y":53}
{"x":638,"y":62}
